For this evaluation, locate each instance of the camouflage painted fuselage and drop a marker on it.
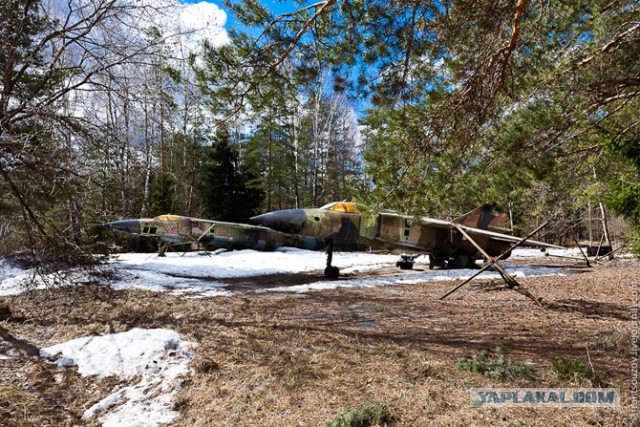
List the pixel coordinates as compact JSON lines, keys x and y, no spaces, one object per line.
{"x":349,"y":229}
{"x":182,"y":230}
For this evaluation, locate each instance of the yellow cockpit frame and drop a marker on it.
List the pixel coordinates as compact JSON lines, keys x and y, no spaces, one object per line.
{"x":169,"y":218}
{"x":345,"y":207}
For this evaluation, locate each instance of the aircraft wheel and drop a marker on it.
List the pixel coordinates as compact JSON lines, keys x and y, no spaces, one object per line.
{"x":461,"y":261}
{"x":436,"y":262}
{"x":331,"y":272}
{"x":405,"y":265}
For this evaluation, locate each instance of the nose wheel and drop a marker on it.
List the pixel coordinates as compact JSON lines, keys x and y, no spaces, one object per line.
{"x":406,"y":261}
{"x":459,"y":261}
{"x":330,"y":272}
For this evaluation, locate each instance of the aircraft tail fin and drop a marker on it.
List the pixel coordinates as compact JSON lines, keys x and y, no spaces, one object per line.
{"x":485,"y":217}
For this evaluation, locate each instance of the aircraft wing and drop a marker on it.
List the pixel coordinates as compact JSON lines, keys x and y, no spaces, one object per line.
{"x":508,"y":238}
{"x":491,"y":234}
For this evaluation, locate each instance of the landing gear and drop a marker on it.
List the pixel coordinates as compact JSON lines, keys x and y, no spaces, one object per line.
{"x":163,"y":249}
{"x":330,"y":272}
{"x":459,"y":261}
{"x":406,"y":261}
{"x":436,"y":261}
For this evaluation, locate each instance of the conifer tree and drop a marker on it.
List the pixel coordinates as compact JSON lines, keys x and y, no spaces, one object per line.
{"x":225,"y":182}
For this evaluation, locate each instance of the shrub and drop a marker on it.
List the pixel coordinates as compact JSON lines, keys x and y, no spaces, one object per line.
{"x":575,"y":370}
{"x":363,"y":416}
{"x":501,"y":367}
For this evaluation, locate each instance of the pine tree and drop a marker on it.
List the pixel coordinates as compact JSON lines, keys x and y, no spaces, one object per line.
{"x":163,"y":195}
{"x":225,"y":182}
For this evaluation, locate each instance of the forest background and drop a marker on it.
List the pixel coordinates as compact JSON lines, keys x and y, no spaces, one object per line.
{"x":113,"y":109}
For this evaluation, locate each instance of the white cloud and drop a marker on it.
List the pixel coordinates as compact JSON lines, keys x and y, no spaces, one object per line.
{"x":203,"y":21}
{"x":184,"y":26}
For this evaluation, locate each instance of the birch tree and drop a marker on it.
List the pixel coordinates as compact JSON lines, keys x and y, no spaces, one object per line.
{"x":52,"y":54}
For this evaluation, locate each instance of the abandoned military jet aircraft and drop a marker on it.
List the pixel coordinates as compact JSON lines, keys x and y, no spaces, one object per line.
{"x":341,"y":226}
{"x":345,"y":227}
{"x":176,"y":230}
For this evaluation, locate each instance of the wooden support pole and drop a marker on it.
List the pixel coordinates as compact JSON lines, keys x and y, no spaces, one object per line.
{"x":492,"y":261}
{"x":575,"y":239}
{"x":526,"y":293}
{"x":509,"y":280}
{"x":466,"y":281}
{"x":605,"y":225}
{"x":599,"y":247}
{"x":163,"y":249}
{"x":197,"y":241}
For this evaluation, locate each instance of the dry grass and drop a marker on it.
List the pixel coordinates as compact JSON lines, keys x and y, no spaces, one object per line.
{"x":288,"y":359}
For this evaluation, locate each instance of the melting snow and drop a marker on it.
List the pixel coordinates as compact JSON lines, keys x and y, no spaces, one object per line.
{"x":202,"y":275}
{"x":11,"y":278}
{"x":247,"y":263}
{"x":198,"y":274}
{"x":413,"y":278}
{"x":522,"y":253}
{"x":159,"y":357}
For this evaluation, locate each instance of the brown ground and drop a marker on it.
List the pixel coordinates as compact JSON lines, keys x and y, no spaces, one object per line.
{"x":281,"y":359}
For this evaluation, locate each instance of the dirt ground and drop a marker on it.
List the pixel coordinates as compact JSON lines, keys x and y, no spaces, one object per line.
{"x":285,"y":359}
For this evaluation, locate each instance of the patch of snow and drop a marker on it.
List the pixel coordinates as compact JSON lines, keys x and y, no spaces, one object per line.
{"x":7,"y":270}
{"x":527,"y":253}
{"x":14,"y":281}
{"x":247,"y":262}
{"x":199,"y":274}
{"x":17,"y":280}
{"x":159,"y":357}
{"x":625,"y":256}
{"x":12,"y":278}
{"x":204,"y":274}
{"x":13,"y":285}
{"x":518,"y":271}
{"x":159,"y":282}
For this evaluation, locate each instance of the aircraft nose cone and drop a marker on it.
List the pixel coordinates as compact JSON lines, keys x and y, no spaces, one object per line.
{"x":287,"y":221}
{"x":126,"y":226}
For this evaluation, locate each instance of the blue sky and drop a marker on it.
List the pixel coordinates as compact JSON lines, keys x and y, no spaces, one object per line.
{"x":277,"y":7}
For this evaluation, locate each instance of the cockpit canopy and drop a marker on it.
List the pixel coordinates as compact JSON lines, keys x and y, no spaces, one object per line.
{"x":348,"y":207}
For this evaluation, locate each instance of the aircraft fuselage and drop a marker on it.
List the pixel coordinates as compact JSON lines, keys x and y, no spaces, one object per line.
{"x":351,"y":230}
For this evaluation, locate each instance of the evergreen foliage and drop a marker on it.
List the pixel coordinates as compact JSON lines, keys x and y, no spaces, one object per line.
{"x":225,"y":185}
{"x":515,"y":102}
{"x":163,"y":195}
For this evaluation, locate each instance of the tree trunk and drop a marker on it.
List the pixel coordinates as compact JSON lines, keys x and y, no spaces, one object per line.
{"x":605,"y":226}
